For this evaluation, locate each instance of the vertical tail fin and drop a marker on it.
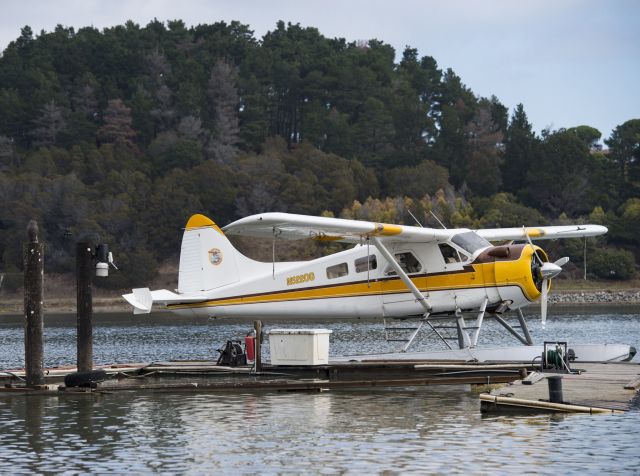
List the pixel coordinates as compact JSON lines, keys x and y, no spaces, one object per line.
{"x":208,"y":260}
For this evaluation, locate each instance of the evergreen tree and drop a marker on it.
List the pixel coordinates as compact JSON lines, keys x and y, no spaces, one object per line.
{"x":223,"y":94}
{"x":483,"y":173}
{"x":520,"y":142}
{"x":48,"y":125}
{"x":117,"y":124}
{"x":624,"y":144}
{"x":559,"y":181}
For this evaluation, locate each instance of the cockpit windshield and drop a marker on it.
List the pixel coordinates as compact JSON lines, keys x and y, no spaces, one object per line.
{"x":470,"y":241}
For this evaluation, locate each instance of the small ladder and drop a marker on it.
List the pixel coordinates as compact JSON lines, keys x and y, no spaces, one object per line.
{"x":445,"y":336}
{"x":465,"y":335}
{"x":408,"y":341}
{"x":457,"y":331}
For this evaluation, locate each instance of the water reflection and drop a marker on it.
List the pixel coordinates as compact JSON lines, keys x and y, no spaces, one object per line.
{"x":422,"y":429}
{"x":418,"y":429}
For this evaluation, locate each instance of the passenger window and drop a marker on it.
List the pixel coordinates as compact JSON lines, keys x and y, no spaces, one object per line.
{"x":361,"y":263}
{"x":449,"y":253}
{"x":337,"y":271}
{"x":408,"y":262}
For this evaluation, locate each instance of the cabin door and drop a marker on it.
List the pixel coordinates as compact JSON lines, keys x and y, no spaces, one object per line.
{"x":397,"y":298}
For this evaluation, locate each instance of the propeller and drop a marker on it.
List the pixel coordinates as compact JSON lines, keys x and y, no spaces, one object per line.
{"x":546,"y":271}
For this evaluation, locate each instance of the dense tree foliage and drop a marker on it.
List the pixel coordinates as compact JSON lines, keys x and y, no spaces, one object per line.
{"x":119,"y":135}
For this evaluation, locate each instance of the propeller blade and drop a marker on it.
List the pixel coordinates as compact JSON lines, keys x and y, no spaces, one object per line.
{"x":543,"y":303}
{"x":562,"y":261}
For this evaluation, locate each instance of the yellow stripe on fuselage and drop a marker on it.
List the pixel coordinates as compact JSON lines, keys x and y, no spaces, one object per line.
{"x":501,"y":273}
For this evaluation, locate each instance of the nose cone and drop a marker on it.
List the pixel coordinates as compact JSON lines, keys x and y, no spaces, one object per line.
{"x":550,"y":270}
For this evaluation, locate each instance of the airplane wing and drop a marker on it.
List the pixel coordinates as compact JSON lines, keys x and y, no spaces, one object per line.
{"x":541,"y":232}
{"x":290,"y":226}
{"x":297,"y":227}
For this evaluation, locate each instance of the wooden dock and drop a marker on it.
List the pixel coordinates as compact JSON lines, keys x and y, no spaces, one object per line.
{"x":207,"y":376}
{"x":598,"y":388}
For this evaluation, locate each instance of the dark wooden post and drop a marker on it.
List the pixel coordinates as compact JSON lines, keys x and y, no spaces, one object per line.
{"x":84,"y":273}
{"x":33,"y":253}
{"x":257,"y":326}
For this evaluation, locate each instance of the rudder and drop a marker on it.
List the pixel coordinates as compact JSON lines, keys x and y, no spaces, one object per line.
{"x":208,"y":260}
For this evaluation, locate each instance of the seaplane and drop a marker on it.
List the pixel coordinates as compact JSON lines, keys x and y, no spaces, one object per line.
{"x":445,"y":279}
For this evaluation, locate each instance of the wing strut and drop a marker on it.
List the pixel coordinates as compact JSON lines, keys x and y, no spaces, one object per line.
{"x":368,"y":264}
{"x":394,"y":264}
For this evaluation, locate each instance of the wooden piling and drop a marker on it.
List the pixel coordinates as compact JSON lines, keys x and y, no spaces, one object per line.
{"x":84,"y":273}
{"x":33,"y":254}
{"x":257,"y":326}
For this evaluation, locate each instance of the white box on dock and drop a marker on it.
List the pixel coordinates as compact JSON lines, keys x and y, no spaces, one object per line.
{"x":299,"y":346}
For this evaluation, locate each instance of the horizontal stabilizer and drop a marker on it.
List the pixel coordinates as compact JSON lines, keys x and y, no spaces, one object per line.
{"x":142,"y":299}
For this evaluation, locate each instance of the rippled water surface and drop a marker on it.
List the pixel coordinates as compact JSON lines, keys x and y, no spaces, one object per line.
{"x":420,"y":429}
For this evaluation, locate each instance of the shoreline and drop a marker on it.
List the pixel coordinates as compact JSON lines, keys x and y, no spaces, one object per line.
{"x":608,"y":297}
{"x":117,"y":304}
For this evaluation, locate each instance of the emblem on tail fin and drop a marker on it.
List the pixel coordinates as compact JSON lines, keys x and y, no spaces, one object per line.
{"x":215,"y":256}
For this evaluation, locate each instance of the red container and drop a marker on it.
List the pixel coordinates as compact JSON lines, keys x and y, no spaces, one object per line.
{"x":250,"y":347}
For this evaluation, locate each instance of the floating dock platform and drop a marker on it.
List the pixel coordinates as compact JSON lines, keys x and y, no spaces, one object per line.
{"x":208,"y":376}
{"x":595,"y":388}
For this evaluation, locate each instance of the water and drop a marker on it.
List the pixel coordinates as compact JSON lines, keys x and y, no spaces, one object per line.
{"x":126,"y":338}
{"x":413,"y":430}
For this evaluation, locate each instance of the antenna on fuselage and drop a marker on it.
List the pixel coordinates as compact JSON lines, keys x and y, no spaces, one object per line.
{"x":415,"y":219}
{"x":437,"y":219}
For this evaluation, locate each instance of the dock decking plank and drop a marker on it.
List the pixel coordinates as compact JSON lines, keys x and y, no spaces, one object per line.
{"x":599,"y":385}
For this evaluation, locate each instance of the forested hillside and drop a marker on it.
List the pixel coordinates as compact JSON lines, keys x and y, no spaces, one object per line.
{"x":119,"y":135}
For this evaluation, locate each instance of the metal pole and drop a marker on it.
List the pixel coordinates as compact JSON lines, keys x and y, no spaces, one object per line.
{"x":257,"y":326}
{"x":33,"y":254}
{"x":84,"y":273}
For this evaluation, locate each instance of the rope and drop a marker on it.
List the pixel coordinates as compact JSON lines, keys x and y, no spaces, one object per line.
{"x":11,"y":374}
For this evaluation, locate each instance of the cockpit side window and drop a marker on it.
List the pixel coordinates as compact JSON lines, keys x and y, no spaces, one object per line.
{"x":337,"y":271}
{"x":470,"y":241}
{"x":407,"y":261}
{"x":367,"y":263}
{"x":450,"y":254}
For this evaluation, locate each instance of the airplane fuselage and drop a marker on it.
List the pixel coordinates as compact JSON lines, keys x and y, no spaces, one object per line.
{"x":349,"y":284}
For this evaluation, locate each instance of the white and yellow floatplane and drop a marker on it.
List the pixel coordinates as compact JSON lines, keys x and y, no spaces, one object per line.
{"x":391,"y":272}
